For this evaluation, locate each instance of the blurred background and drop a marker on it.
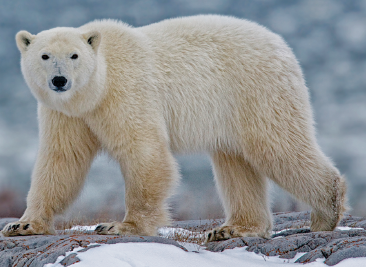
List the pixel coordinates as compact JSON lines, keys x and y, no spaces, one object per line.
{"x":327,"y":36}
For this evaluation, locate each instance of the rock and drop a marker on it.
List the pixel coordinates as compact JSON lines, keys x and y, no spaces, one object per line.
{"x":70,"y":259}
{"x":333,"y":246}
{"x":352,"y":252}
{"x":87,"y":248}
{"x":227,"y":244}
{"x":352,"y":221}
{"x":281,"y":246}
{"x":310,"y":256}
{"x":293,"y":236}
{"x":253,"y":241}
{"x":291,"y":232}
{"x":291,"y":220}
{"x":344,"y":248}
{"x":198,"y":225}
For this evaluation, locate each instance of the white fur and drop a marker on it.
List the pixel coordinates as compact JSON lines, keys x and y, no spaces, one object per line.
{"x":206,"y":83}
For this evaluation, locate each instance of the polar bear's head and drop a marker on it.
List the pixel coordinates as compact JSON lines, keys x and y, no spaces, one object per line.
{"x":58,"y":63}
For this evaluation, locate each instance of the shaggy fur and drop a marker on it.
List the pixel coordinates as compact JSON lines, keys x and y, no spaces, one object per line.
{"x":206,"y":83}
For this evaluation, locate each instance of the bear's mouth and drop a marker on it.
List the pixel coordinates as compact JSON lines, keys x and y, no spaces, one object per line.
{"x":59,"y":89}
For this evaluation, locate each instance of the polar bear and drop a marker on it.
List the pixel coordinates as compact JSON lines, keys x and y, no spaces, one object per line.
{"x":217,"y":84}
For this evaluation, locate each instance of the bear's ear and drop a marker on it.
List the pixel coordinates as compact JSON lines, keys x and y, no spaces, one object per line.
{"x":93,"y":39}
{"x":24,"y":39}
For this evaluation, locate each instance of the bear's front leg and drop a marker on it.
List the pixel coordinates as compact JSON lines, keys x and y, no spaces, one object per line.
{"x":150,"y":174}
{"x":67,"y":148}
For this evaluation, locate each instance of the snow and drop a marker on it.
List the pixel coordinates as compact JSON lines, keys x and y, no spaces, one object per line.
{"x":153,"y":254}
{"x":346,"y":228}
{"x":161,"y":255}
{"x":168,"y":231}
{"x":82,"y":228}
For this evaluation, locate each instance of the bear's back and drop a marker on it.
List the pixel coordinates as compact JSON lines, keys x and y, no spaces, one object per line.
{"x":209,"y":73}
{"x":216,"y":72}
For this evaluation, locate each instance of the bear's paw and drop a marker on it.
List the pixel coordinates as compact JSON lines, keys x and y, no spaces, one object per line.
{"x":227,"y":232}
{"x":26,"y":228}
{"x":121,"y":228}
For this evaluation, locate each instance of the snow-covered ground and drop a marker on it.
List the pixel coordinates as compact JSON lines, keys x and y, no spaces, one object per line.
{"x":161,"y":255}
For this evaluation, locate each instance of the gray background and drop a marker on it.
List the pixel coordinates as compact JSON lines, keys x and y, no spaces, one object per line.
{"x":327,"y":36}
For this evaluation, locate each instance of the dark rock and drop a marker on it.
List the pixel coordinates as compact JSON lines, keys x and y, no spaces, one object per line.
{"x":291,"y":220}
{"x":310,"y":256}
{"x":70,"y":259}
{"x":198,"y":225}
{"x":87,"y":248}
{"x":227,"y":244}
{"x":316,"y":242}
{"x":289,"y":255}
{"x":291,"y":232}
{"x":285,"y":245}
{"x":6,"y":259}
{"x":351,"y":252}
{"x":353,"y":221}
{"x":342,"y":243}
{"x":356,"y":232}
{"x":253,"y":241}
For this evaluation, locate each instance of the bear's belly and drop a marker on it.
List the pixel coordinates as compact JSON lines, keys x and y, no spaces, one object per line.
{"x":200,"y":128}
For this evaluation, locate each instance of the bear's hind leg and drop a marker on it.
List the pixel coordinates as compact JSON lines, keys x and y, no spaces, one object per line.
{"x":307,"y":174}
{"x":243,"y":191}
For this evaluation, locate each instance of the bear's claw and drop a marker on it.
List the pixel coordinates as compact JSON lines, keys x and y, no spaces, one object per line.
{"x":106,"y":229}
{"x":15,"y":227}
{"x":99,"y":228}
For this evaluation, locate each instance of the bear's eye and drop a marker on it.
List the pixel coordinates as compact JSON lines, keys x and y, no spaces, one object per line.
{"x":74,"y":56}
{"x":45,"y":57}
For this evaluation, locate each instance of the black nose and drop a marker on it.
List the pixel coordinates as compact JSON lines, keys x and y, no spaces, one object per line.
{"x":59,"y":81}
